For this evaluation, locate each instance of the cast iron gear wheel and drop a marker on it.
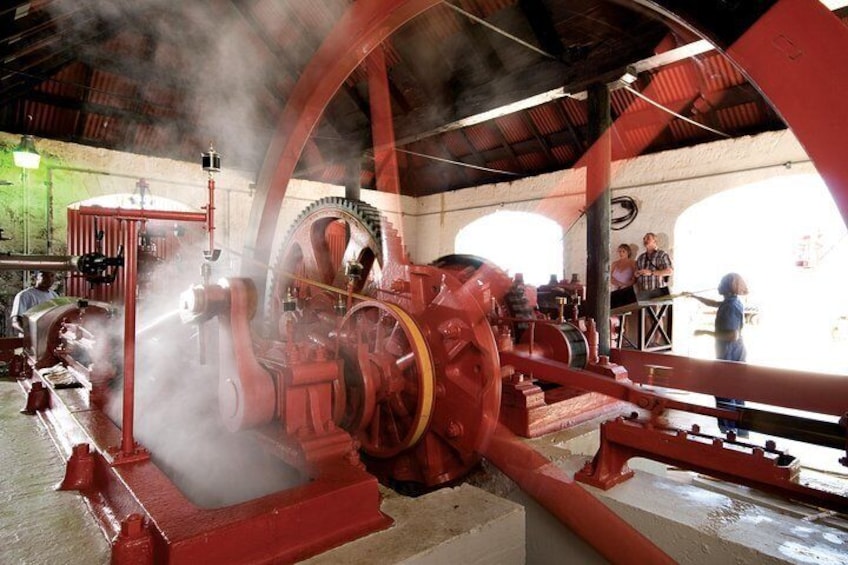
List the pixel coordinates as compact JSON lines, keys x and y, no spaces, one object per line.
{"x":329,"y":234}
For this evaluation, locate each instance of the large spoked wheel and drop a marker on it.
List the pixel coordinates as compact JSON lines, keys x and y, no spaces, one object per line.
{"x":390,"y":381}
{"x":329,"y":235}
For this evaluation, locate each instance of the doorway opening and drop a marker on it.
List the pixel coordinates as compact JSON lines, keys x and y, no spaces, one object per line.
{"x":518,"y":242}
{"x":788,"y":241}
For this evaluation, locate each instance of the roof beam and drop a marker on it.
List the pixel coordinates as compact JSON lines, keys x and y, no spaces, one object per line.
{"x":545,"y":77}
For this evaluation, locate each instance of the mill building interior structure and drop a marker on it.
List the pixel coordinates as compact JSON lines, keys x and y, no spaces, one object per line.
{"x":282,"y":333}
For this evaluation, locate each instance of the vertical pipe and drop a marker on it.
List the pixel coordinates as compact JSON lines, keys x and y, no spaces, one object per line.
{"x":206,"y":268}
{"x":383,"y":134}
{"x":210,"y":215}
{"x":598,"y":203}
{"x":130,"y":268}
{"x":49,"y":212}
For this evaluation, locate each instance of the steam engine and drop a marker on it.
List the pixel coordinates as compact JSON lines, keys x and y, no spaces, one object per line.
{"x":364,"y":365}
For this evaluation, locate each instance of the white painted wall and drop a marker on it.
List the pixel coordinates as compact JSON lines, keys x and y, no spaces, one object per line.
{"x":663,"y":185}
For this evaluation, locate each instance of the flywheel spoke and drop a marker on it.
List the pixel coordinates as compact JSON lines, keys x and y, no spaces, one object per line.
{"x":399,"y":365}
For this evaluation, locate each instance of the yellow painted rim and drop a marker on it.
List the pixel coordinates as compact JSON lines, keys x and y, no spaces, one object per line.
{"x":425,"y":365}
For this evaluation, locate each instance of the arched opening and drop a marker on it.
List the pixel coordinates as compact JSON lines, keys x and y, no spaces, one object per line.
{"x":518,"y":242}
{"x":787,"y":239}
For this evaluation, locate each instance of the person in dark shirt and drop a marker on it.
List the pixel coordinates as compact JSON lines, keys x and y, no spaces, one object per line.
{"x":729,"y":346}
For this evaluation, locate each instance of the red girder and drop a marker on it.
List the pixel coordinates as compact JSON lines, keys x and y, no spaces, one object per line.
{"x":814,"y":392}
{"x":363,"y":27}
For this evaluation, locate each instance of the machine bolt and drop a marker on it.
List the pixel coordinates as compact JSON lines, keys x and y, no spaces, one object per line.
{"x":771,"y":445}
{"x":696,"y":429}
{"x":440,"y":390}
{"x":454,"y":429}
{"x":450,"y":330}
{"x":133,"y":526}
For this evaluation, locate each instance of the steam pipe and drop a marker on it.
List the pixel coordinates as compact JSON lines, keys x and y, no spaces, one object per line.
{"x":168,"y":215}
{"x":130,"y":271}
{"x":600,"y":527}
{"x":10,"y":262}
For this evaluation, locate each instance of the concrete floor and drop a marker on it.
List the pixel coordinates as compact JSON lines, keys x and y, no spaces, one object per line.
{"x":488,"y":521}
{"x":38,"y":524}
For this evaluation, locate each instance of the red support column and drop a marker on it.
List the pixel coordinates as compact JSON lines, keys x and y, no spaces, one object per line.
{"x":383,"y":134}
{"x":131,"y":283}
{"x":364,"y":26}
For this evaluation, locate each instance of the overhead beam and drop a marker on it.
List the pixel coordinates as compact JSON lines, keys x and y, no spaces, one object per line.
{"x":534,"y":93}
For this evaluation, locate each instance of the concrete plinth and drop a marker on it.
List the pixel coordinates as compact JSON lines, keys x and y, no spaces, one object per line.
{"x":455,"y":525}
{"x":694,"y":519}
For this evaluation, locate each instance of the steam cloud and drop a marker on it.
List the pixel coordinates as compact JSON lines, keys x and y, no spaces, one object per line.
{"x":176,"y":413}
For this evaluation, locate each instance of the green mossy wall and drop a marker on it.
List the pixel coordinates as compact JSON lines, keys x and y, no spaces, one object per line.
{"x":24,"y":196}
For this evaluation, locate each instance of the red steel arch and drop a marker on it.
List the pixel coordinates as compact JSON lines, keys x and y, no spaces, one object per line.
{"x":793,"y":53}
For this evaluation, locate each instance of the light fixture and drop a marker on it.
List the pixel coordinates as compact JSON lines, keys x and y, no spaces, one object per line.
{"x":25,"y":155}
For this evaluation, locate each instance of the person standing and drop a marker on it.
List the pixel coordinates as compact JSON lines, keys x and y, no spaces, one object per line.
{"x":729,"y":320}
{"x":40,"y":292}
{"x":653,"y":267}
{"x":623,"y":269}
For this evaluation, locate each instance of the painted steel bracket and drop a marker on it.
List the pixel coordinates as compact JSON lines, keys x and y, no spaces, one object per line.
{"x":767,"y":469}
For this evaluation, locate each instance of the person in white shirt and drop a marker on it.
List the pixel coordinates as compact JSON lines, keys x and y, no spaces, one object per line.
{"x":26,"y":299}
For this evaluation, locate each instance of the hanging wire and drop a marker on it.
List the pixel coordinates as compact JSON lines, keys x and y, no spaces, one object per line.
{"x":638,"y":94}
{"x":496,"y":29}
{"x":460,"y":163}
{"x":631,"y":210}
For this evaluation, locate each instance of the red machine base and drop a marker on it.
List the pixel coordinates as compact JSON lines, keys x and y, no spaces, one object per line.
{"x":767,"y":469}
{"x":529,"y":411}
{"x":149,"y":520}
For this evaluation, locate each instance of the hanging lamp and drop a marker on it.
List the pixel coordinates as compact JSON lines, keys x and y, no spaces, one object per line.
{"x":25,"y":154}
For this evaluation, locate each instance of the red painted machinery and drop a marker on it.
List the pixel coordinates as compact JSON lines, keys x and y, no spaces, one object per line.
{"x":418,"y":363}
{"x":413,"y":371}
{"x":361,"y":357}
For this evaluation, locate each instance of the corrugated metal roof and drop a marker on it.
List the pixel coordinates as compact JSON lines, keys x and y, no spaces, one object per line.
{"x":546,"y":119}
{"x":148,"y":88}
{"x":741,"y":117}
{"x":513,"y":128}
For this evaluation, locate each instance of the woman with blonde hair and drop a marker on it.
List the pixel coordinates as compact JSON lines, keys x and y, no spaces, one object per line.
{"x":730,"y":317}
{"x":623,"y":269}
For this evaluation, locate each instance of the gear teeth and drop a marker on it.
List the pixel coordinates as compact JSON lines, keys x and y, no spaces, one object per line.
{"x":361,"y":212}
{"x":518,"y":307}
